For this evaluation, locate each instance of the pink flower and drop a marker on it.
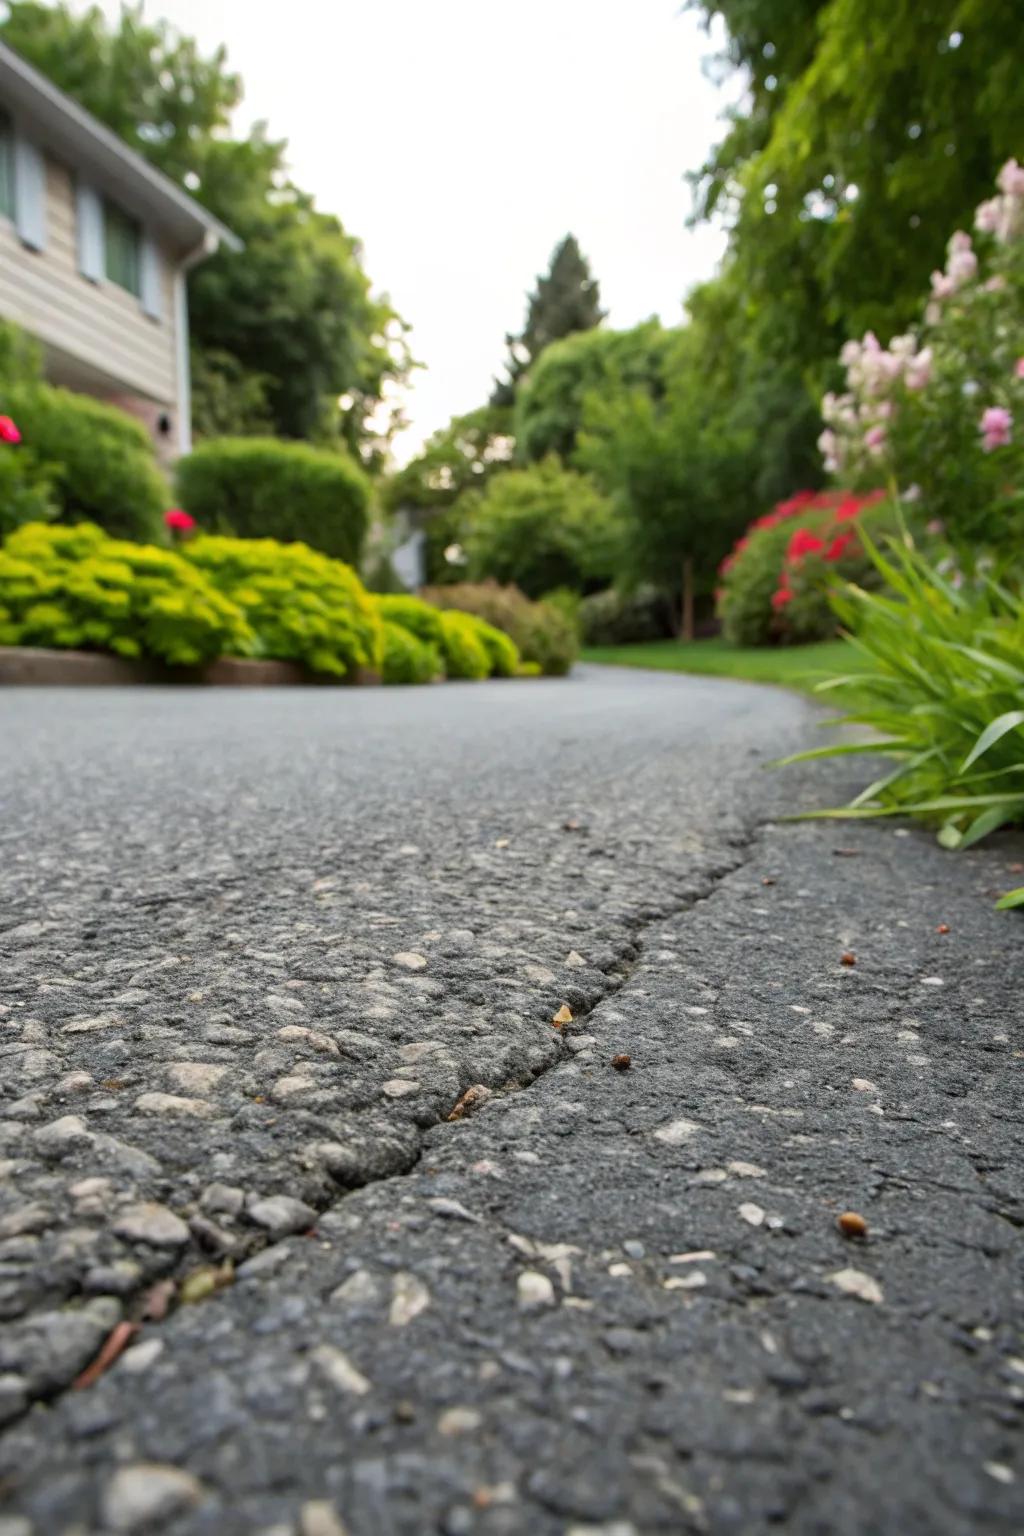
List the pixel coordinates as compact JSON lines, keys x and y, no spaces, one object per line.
{"x":8,"y":431}
{"x":781,"y":598}
{"x":996,"y":427}
{"x":839,"y":545}
{"x":874,"y":441}
{"x":803,"y":542}
{"x":919,"y":370}
{"x":943,"y":286}
{"x":1011,"y":179}
{"x":179,"y":521}
{"x":962,"y":267}
{"x":988,"y":215}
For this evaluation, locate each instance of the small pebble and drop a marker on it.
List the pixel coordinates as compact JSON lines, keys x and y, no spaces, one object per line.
{"x":622,"y":1062}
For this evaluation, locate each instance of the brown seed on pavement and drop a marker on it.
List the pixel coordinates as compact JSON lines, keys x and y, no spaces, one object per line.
{"x":942,"y":928}
{"x":563,"y":1016}
{"x":622,"y":1062}
{"x":471,"y":1099}
{"x":851,"y":1224}
{"x":847,"y":957}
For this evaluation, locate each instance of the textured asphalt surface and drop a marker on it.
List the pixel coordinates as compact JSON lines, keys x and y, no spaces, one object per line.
{"x":255,"y":947}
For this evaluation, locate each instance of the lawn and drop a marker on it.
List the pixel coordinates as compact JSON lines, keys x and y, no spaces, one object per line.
{"x":795,"y":666}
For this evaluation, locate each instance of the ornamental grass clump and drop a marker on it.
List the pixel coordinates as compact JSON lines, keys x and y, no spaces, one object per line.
{"x":943,"y":696}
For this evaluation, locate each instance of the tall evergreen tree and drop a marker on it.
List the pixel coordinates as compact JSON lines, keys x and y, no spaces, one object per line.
{"x":564,"y":301}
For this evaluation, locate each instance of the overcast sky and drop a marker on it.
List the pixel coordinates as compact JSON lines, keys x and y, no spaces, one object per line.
{"x":459,"y":140}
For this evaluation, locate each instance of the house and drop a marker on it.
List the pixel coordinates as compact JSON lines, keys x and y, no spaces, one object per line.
{"x":95,"y":248}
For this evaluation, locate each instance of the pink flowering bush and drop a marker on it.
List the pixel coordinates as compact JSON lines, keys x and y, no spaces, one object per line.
{"x":939,"y":412}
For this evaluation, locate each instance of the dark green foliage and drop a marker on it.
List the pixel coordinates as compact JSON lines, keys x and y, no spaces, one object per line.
{"x":76,"y":588}
{"x":406,"y":658}
{"x":542,"y":527}
{"x":301,"y":605}
{"x":98,"y":460}
{"x":543,"y":636}
{"x":623,"y":618}
{"x":566,"y":299}
{"x":550,"y":399}
{"x":264,"y":488}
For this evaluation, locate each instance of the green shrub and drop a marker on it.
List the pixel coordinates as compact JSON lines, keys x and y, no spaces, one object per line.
{"x":542,"y":527}
{"x":99,"y":460}
{"x":262,"y":487}
{"x":419,"y":618}
{"x":621,"y":618}
{"x":408,"y":659}
{"x":464,"y":653}
{"x":543,"y":636}
{"x":502,"y":652}
{"x":301,"y":605}
{"x":943,"y":698}
{"x":76,"y":588}
{"x":25,"y":489}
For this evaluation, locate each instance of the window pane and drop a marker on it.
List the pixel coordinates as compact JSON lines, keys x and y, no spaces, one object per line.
{"x":122,"y":240}
{"x":6,"y":168}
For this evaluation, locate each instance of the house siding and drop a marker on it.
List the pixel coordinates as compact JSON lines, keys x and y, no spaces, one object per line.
{"x":99,"y":325}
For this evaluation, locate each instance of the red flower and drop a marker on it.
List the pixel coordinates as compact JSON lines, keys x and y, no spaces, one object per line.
{"x":8,"y":431}
{"x":804,"y":542}
{"x":178,"y":520}
{"x":839,"y":545}
{"x":781,"y":598}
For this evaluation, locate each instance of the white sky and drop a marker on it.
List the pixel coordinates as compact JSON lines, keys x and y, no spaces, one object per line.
{"x":460,"y":139}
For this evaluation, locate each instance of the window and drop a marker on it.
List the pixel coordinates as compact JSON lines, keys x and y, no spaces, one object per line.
{"x":122,"y":239}
{"x":6,"y":168}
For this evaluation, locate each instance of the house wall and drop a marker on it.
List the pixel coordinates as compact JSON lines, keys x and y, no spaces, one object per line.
{"x":131,"y":357}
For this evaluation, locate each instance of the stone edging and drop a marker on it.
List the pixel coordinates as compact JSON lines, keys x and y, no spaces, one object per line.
{"x":29,"y":666}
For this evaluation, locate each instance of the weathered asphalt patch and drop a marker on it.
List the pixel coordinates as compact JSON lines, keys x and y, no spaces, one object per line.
{"x":498,"y":1341}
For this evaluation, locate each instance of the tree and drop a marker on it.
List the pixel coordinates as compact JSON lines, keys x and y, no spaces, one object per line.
{"x":550,"y":399}
{"x":566,"y":300}
{"x":872,"y":130}
{"x":678,"y":471}
{"x":290,"y":325}
{"x":542,"y":527}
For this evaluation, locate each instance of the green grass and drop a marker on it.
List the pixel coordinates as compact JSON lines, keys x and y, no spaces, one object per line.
{"x":794,"y":666}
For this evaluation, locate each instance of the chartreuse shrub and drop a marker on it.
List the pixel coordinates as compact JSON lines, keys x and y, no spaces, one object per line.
{"x":76,"y":588}
{"x":407,"y":659}
{"x":96,"y":461}
{"x":546,"y":640}
{"x":301,"y":605}
{"x":448,"y":640}
{"x":944,"y":697}
{"x":261,"y":487}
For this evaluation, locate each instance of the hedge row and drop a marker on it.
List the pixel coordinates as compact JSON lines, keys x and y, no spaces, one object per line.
{"x":77,"y":588}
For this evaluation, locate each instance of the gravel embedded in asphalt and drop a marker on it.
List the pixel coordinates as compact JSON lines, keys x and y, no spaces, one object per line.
{"x":258,"y":946}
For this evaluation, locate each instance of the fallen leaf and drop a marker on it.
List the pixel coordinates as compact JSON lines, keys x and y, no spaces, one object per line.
{"x":622,"y":1062}
{"x":206,"y":1281}
{"x":470,"y":1100}
{"x":563,"y":1016}
{"x":113,"y":1345}
{"x":851,"y":1224}
{"x":847,"y":957}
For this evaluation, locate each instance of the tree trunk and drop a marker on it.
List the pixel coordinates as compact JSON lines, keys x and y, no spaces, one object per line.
{"x":686,"y":626}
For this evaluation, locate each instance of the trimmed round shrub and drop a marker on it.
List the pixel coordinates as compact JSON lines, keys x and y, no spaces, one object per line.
{"x":98,"y":460}
{"x":301,"y":605}
{"x":502,"y":652}
{"x":544,"y":637}
{"x":407,"y":659}
{"x":75,"y":588}
{"x":264,"y":488}
{"x":418,"y":617}
{"x":464,"y":653}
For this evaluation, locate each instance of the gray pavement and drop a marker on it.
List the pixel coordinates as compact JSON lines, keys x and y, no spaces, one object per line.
{"x":255,"y":949}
